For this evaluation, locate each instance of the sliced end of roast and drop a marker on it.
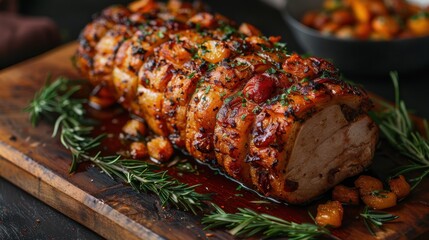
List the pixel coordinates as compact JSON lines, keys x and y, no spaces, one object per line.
{"x":329,"y":147}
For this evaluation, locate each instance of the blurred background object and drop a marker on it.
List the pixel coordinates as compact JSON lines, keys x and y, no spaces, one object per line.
{"x":279,"y":4}
{"x":31,"y":27}
{"x":422,"y":3}
{"x":23,"y":37}
{"x":70,"y":16}
{"x":386,"y":46}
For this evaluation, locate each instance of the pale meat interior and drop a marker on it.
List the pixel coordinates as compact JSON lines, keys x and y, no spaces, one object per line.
{"x":329,"y":149}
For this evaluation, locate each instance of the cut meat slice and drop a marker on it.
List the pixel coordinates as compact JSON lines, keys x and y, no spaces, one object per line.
{"x":327,"y":150}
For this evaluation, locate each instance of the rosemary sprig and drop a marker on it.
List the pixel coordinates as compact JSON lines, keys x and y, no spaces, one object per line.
{"x":248,"y":223}
{"x":375,"y":219}
{"x":54,"y":100}
{"x":140,"y":176}
{"x":399,"y":130}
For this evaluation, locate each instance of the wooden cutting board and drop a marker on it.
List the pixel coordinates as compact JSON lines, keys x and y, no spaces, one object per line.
{"x":37,"y":163}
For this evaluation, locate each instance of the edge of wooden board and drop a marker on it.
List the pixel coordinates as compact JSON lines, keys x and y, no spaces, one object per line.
{"x":52,"y":189}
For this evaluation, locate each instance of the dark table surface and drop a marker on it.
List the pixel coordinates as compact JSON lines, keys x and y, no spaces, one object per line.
{"x":24,"y":217}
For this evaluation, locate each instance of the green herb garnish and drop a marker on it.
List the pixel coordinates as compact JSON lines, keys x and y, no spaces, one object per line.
{"x":191,"y":75}
{"x":54,"y":101}
{"x":400,"y":132}
{"x":249,"y":223}
{"x":271,"y":70}
{"x":376,"y":219}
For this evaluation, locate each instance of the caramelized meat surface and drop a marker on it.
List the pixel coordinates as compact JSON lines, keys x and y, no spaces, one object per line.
{"x":282,"y":124}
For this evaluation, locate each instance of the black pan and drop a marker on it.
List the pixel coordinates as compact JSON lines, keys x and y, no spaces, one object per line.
{"x":366,"y":57}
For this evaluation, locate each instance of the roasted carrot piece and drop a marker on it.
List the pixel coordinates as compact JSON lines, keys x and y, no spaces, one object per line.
{"x":345,"y":194}
{"x":400,"y":186}
{"x":419,"y":24}
{"x":330,"y":214}
{"x":367,"y":184}
{"x":380,"y":199}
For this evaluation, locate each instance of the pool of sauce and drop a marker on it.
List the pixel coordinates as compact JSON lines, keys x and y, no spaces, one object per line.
{"x":226,"y":192}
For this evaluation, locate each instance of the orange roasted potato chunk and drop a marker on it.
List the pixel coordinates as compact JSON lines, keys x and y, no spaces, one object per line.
{"x":363,"y":30}
{"x":330,"y":214}
{"x":343,"y":17}
{"x":330,"y":28}
{"x":400,"y":186}
{"x":386,"y":26}
{"x":367,"y":184}
{"x":419,"y":24}
{"x":345,"y":32}
{"x":345,"y":194}
{"x":320,"y":20}
{"x":309,"y":18}
{"x":377,"y":8}
{"x":361,"y":10}
{"x":369,"y":19}
{"x":332,"y":5}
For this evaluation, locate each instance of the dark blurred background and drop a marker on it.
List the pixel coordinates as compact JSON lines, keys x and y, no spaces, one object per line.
{"x":70,"y":16}
{"x":30,"y":27}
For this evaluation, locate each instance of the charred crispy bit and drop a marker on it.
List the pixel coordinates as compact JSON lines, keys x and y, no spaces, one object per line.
{"x":138,"y":150}
{"x":330,"y":214}
{"x":346,"y":195}
{"x":160,"y":149}
{"x":249,"y":30}
{"x":142,"y":6}
{"x":134,"y":128}
{"x":400,"y":186}
{"x":285,"y":125}
{"x":312,"y":67}
{"x":98,"y":102}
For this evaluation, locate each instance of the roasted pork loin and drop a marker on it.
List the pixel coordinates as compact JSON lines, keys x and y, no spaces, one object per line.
{"x":283,"y":124}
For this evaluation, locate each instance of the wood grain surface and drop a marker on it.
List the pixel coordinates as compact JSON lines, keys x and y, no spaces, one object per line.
{"x":37,"y":163}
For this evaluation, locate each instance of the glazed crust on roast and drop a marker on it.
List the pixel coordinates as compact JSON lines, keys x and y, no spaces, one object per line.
{"x":224,"y":93}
